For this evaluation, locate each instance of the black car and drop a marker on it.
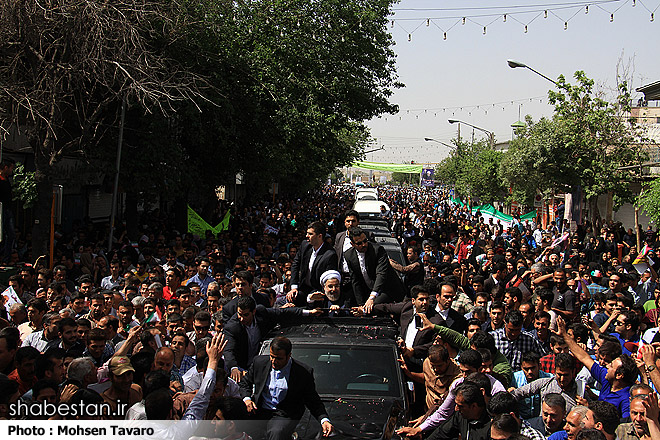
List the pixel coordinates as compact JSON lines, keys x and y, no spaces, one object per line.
{"x":356,"y":372}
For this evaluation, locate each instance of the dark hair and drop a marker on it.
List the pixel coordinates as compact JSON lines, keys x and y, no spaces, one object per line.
{"x":416,"y":290}
{"x":481,"y":380}
{"x":499,"y":305}
{"x":505,"y":422}
{"x":355,"y":232}
{"x":280,"y":343}
{"x":158,"y":404}
{"x":580,"y":332}
{"x":514,"y":292}
{"x":605,"y":413}
{"x":318,"y":227}
{"x":45,"y":361}
{"x":531,"y":357}
{"x":631,"y":318}
{"x":471,"y":358}
{"x":245,"y":276}
{"x":246,"y":303}
{"x":26,"y":353}
{"x":438,"y":353}
{"x":352,"y":213}
{"x":564,"y":361}
{"x":590,"y":434}
{"x":43,"y":384}
{"x":555,"y":400}
{"x":142,"y":362}
{"x":628,"y":369}
{"x":232,"y":408}
{"x":546,"y":295}
{"x":515,"y":318}
{"x":471,"y":394}
{"x":203,"y":316}
{"x":37,"y":303}
{"x":481,"y":339}
{"x":610,"y":349}
{"x":503,"y":403}
{"x":155,"y":380}
{"x":96,"y":334}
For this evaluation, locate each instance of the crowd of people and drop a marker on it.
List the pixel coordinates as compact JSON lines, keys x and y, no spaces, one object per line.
{"x":506,"y":331}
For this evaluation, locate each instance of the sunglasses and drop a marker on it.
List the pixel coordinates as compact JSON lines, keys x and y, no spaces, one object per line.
{"x":359,"y":242}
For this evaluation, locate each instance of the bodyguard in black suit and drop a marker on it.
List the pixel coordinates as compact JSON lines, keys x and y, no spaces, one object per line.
{"x":305,"y":277}
{"x":247,"y":328}
{"x":278,"y":388}
{"x":374,"y":280}
{"x":414,"y":343}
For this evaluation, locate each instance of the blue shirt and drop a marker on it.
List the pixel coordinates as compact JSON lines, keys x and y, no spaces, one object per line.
{"x":620,"y":399}
{"x":623,"y":341}
{"x":529,"y":406}
{"x":203,"y":283}
{"x":559,"y":435}
{"x":276,"y":387}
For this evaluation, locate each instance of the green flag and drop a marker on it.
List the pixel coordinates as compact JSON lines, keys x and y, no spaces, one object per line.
{"x":196,"y":224}
{"x":224,"y":224}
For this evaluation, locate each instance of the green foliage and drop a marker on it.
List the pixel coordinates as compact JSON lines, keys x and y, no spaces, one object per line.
{"x":584,"y":144}
{"x":405,"y":178}
{"x":24,"y":186}
{"x":649,"y":200}
{"x":472,"y":169}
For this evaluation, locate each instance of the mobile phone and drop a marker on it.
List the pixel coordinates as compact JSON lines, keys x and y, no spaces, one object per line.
{"x":418,"y":322}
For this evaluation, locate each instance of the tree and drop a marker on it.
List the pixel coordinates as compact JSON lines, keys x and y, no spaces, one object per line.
{"x":472,"y":169}
{"x":66,"y":66}
{"x":584,"y":145}
{"x":649,"y":200}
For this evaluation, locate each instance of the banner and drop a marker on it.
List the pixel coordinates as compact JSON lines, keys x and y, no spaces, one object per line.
{"x":642,"y":262}
{"x":428,"y":177}
{"x":394,"y":167}
{"x":198,"y":226}
{"x":11,"y":298}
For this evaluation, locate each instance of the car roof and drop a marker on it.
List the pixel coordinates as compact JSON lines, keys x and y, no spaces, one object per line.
{"x":339,"y":330}
{"x":369,"y":206}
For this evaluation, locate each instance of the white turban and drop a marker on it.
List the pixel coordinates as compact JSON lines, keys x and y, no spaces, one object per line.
{"x":328,"y":275}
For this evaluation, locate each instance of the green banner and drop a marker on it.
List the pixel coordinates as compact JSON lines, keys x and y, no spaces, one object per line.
{"x":198,"y":226}
{"x":394,"y":167}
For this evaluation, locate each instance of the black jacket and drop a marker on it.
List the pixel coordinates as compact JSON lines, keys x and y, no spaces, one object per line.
{"x":301,"y":391}
{"x":326,"y":259}
{"x":237,"y":348}
{"x":385,"y":278}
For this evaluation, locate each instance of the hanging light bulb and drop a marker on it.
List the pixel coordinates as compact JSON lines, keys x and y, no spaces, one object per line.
{"x":586,"y":9}
{"x":484,"y":30}
{"x":652,"y":16}
{"x":463,"y":20}
{"x":444,"y":35}
{"x":409,"y":37}
{"x":505,"y":18}
{"x":428,"y":22}
{"x":565,"y":25}
{"x":545,"y":14}
{"x":611,"y":18}
{"x":634,"y":2}
{"x":525,"y":28}
{"x":392,"y":23}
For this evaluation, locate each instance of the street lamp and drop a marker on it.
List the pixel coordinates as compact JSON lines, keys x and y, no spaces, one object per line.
{"x":513,"y":64}
{"x":440,"y":142}
{"x":491,"y":135}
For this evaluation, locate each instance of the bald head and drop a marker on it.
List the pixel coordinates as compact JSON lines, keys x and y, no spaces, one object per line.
{"x":164,"y":360}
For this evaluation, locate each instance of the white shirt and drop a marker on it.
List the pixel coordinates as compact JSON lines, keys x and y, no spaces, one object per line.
{"x":363,"y":268}
{"x":347,"y":246}
{"x":411,"y":332}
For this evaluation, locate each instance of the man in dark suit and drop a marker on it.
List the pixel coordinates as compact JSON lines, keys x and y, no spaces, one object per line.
{"x":314,"y":257}
{"x":374,"y":280}
{"x":450,"y":317}
{"x":243,"y":283}
{"x":247,"y":328}
{"x":343,"y":241}
{"x":414,"y":343}
{"x":278,"y":389}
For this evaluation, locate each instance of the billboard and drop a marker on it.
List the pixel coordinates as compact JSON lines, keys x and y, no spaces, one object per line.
{"x":428,"y":177}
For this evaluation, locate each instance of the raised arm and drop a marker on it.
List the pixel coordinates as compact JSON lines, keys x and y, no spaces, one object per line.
{"x":577,"y":351}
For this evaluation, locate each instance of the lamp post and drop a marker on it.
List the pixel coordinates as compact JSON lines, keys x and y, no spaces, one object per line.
{"x":491,"y":135}
{"x":513,"y":64}
{"x":440,"y":142}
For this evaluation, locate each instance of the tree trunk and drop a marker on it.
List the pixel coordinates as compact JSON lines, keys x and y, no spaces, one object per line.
{"x":42,"y":209}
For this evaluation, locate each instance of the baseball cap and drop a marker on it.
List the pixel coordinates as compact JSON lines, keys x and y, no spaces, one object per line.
{"x":119,"y":365}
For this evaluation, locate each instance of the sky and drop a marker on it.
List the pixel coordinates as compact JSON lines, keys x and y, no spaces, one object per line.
{"x":466,"y":76}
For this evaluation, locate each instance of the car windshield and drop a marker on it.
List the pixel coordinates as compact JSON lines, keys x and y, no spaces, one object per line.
{"x":352,"y":370}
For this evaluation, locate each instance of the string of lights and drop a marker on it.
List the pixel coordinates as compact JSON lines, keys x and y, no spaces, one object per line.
{"x":524,"y":15}
{"x":463,"y":109}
